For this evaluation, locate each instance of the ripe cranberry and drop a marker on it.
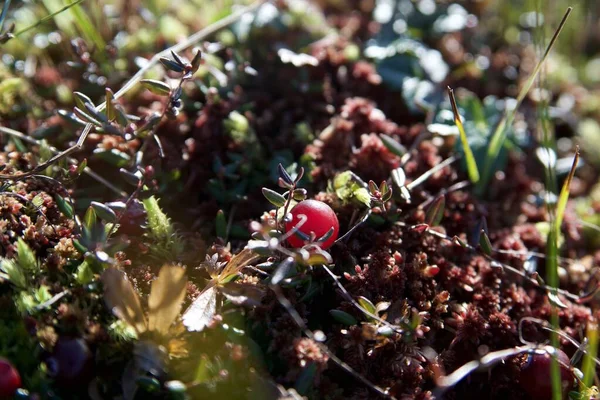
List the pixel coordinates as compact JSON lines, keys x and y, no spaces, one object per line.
{"x":535,"y":378}
{"x":10,"y":380}
{"x":71,"y":362}
{"x":320,"y":219}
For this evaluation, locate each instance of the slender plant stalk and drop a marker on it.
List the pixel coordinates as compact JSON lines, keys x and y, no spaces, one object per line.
{"x":472,"y":169}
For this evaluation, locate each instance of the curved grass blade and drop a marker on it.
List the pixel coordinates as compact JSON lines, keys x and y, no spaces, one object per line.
{"x":47,"y":17}
{"x":472,"y":169}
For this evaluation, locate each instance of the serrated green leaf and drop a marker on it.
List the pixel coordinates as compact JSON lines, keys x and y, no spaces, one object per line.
{"x":156,"y":87}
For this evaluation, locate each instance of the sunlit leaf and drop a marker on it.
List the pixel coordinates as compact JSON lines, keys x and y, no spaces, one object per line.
{"x":202,"y":310}
{"x":274,"y":198}
{"x":25,"y":256}
{"x":243,"y":294}
{"x":367,"y":305}
{"x":156,"y":87}
{"x":122,"y":299}
{"x":166,"y":297}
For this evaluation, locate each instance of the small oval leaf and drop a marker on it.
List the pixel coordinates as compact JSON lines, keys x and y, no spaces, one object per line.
{"x":343,"y":317}
{"x":156,"y":87}
{"x":274,"y":198}
{"x":104,"y":212}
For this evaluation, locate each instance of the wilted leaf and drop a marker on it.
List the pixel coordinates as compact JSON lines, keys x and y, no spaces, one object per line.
{"x":243,"y":294}
{"x":202,"y":310}
{"x":239,"y":261}
{"x":166,"y":297}
{"x":122,"y":299}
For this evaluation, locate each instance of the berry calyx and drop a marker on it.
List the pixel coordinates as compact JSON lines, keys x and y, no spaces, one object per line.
{"x":320,"y":218}
{"x":535,"y":377}
{"x":10,"y":380}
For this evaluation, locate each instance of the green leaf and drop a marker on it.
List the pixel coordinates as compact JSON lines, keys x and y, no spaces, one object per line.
{"x":156,"y":87}
{"x":89,"y":219}
{"x":81,"y":100}
{"x":63,"y":205}
{"x":38,"y":200}
{"x":111,"y":112}
{"x":484,"y":243}
{"x":84,"y":273}
{"x":274,"y":198}
{"x":393,"y":145}
{"x":14,"y":273}
{"x":563,"y":198}
{"x":104,"y":212}
{"x":343,"y":317}
{"x":435,"y":212}
{"x":221,"y":225}
{"x":589,"y":366}
{"x":472,"y":169}
{"x":367,"y":305}
{"x":26,"y":257}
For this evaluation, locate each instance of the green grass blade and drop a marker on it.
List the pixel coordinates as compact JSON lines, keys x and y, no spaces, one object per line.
{"x":499,"y":135}
{"x":86,"y":26}
{"x":564,"y":193}
{"x":589,"y":366}
{"x":472,"y":169}
{"x":47,"y":17}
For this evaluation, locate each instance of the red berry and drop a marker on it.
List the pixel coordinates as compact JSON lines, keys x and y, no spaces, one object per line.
{"x":535,"y":376}
{"x":10,"y":380}
{"x":320,"y":218}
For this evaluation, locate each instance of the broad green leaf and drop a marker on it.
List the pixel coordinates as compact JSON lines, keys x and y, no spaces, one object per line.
{"x":343,"y":317}
{"x":274,"y":198}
